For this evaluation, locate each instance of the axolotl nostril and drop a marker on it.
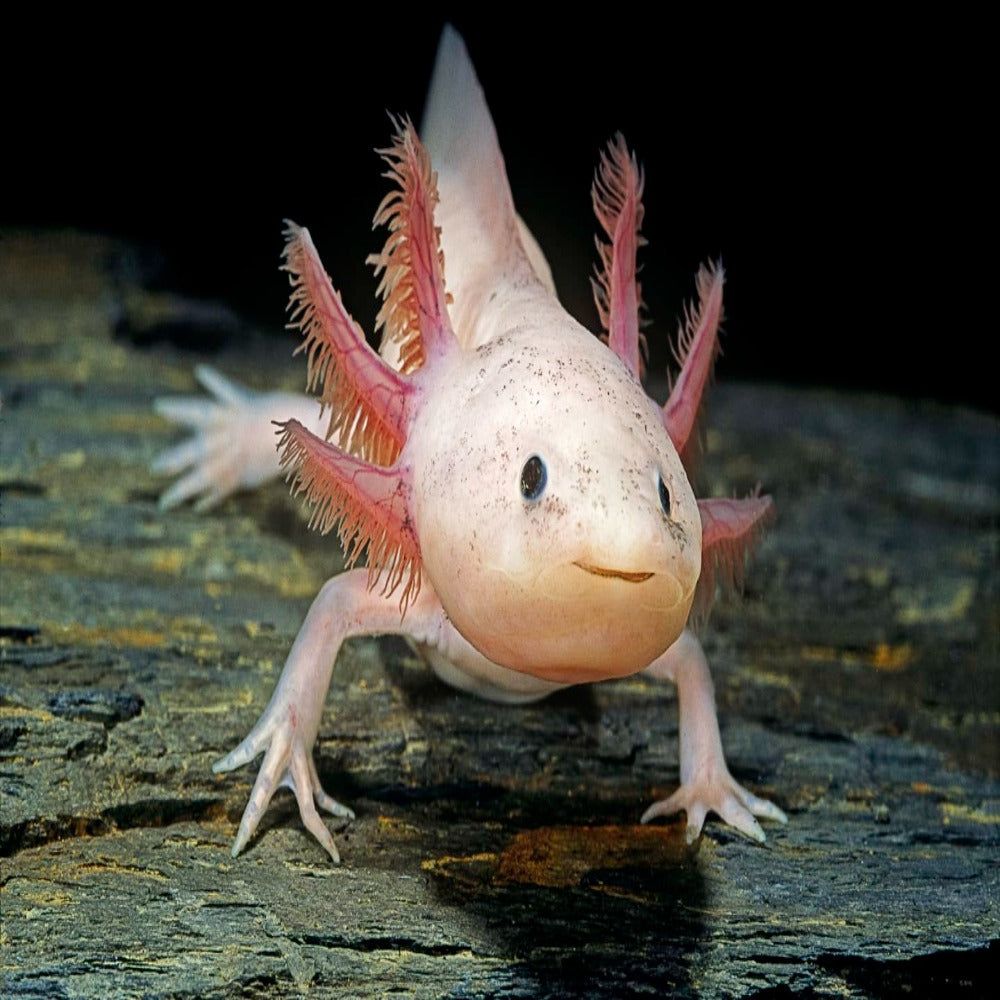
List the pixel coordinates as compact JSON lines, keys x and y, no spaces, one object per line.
{"x":522,"y":502}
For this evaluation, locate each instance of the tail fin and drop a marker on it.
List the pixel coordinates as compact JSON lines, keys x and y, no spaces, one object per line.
{"x":458,"y":130}
{"x":480,"y":228}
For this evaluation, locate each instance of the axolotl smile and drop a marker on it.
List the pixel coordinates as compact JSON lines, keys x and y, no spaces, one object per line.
{"x":617,"y":573}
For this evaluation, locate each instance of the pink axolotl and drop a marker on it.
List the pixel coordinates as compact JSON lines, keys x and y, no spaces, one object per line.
{"x":523,"y":503}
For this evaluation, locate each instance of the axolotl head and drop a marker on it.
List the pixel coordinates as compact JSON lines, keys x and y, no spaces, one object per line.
{"x":555,"y":519}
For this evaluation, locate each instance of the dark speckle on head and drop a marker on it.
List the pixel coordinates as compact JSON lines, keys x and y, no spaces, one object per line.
{"x":677,"y":533}
{"x":554,"y":507}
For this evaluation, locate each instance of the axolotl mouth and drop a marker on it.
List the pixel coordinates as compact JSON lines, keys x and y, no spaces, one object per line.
{"x":617,"y":573}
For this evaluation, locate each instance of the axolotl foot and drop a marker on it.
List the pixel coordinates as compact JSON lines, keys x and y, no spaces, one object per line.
{"x":288,"y":763}
{"x":232,"y":444}
{"x":717,"y":791}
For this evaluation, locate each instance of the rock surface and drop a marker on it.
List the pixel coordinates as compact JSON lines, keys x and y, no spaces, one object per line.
{"x":496,"y":852}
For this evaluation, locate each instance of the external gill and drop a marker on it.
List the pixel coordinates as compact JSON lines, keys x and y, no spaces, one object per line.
{"x":617,"y":199}
{"x":357,"y":483}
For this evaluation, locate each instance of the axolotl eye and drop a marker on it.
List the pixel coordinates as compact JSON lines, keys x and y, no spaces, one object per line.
{"x":664,"y":494}
{"x":533,"y":478}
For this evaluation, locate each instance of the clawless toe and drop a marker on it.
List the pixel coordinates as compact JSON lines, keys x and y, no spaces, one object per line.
{"x":299,"y":780}
{"x":324,"y":801}
{"x":254,"y":744}
{"x":268,"y":780}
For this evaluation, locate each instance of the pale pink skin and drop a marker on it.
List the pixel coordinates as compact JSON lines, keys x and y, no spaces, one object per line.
{"x":507,"y":608}
{"x":233,"y":444}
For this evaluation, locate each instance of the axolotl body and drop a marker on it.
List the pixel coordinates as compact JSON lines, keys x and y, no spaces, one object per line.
{"x":523,"y":503}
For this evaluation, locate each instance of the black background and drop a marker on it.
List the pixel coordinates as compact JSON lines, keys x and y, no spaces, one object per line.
{"x":833,"y":164}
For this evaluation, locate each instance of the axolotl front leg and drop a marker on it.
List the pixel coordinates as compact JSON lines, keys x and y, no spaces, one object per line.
{"x":729,"y":527}
{"x":286,"y":731}
{"x":706,"y":784}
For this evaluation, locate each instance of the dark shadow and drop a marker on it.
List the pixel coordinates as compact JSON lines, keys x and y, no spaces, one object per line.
{"x":961,"y":975}
{"x":572,"y":895}
{"x":622,"y":931}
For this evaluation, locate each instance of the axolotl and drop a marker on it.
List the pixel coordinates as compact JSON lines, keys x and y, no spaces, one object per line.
{"x":523,"y":503}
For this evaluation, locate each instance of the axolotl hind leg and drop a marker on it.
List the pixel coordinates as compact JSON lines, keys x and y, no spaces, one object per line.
{"x":233,"y":443}
{"x":706,"y":784}
{"x":362,"y":406}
